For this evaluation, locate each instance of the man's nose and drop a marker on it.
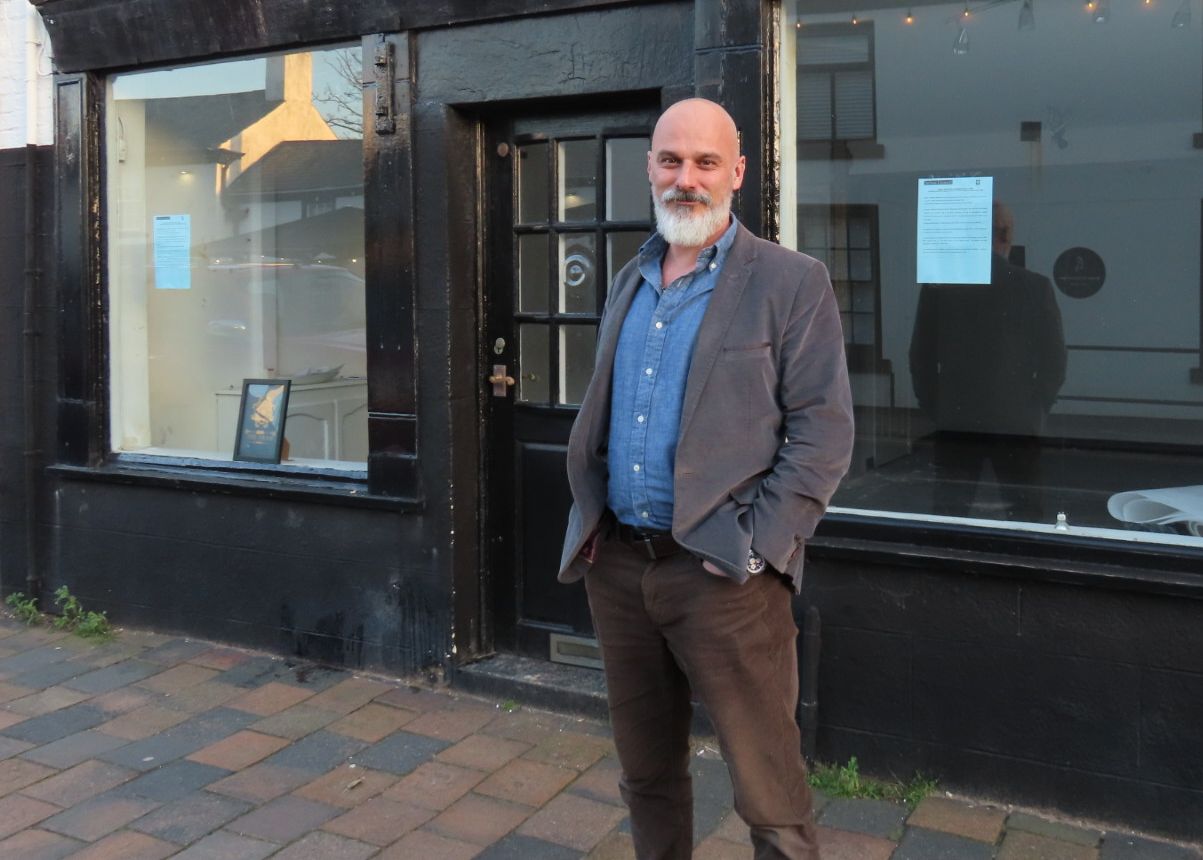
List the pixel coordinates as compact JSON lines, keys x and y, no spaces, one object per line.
{"x":687,"y":177}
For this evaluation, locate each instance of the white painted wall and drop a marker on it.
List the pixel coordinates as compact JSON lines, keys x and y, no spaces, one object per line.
{"x":26,"y":65}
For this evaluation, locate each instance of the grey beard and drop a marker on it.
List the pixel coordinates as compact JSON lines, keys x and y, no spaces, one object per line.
{"x":689,"y":231}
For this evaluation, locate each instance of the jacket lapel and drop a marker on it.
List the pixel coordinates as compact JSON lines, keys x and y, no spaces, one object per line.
{"x":716,"y":321}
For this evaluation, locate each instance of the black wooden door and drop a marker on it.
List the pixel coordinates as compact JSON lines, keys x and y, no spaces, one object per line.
{"x":568,"y":205}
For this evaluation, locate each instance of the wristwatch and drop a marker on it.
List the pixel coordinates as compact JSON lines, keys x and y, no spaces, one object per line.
{"x":755,"y":562}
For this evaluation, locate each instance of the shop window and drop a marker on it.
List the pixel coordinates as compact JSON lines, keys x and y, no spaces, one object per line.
{"x":235,"y":215}
{"x":1025,"y":349}
{"x":836,"y":106}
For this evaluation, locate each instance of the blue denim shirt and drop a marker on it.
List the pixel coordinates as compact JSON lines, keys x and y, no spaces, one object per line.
{"x":655,"y":347}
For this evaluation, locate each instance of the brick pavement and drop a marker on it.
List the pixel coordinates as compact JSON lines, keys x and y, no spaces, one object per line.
{"x":151,"y":746}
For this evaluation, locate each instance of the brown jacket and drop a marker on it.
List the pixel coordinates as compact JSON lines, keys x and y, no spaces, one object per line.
{"x":766,"y":425}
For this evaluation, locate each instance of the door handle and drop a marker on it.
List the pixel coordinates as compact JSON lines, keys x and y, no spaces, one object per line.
{"x":500,"y":380}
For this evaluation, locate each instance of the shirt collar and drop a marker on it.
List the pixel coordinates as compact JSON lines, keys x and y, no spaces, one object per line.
{"x":652,"y":252}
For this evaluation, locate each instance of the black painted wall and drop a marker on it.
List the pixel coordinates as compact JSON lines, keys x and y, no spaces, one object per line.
{"x":1009,"y":686}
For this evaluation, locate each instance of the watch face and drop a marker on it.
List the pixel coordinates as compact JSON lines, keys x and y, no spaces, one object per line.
{"x":755,"y":563}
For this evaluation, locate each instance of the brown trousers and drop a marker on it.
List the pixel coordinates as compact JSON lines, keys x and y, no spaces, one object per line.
{"x":666,"y":627}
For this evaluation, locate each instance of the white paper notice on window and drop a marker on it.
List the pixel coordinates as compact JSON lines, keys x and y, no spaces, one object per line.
{"x":953,"y":243}
{"x":172,"y":257}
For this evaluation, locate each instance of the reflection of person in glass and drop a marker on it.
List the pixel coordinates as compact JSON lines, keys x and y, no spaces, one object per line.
{"x":987,"y":361}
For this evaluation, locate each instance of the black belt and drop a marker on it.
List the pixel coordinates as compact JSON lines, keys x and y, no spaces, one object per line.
{"x":653,"y":544}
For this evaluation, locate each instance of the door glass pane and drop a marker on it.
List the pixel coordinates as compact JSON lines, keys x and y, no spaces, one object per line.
{"x":532,"y":273}
{"x":578,"y":180}
{"x":533,"y":196}
{"x":533,"y":363}
{"x":627,"y":196}
{"x":577,"y":343}
{"x":578,"y":273}
{"x":622,"y":247}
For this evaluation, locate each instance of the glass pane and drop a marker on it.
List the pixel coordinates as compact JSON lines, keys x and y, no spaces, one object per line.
{"x":860,"y":265}
{"x":627,"y":195}
{"x":578,"y":180}
{"x":533,"y":193}
{"x":532,"y":273}
{"x":621,"y":248}
{"x":577,"y":344}
{"x":843,"y":295}
{"x":236,"y":251}
{"x":860,"y":234}
{"x":534,"y":365}
{"x":578,"y":273}
{"x":863,"y":299}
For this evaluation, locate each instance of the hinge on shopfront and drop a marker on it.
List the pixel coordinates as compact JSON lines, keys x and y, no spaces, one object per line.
{"x":386,"y":121}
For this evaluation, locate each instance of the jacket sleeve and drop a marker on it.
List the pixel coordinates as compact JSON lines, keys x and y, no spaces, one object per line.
{"x":816,"y":403}
{"x":923,"y":352}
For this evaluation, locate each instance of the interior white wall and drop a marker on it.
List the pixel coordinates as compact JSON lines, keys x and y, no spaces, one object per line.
{"x":26,"y":66}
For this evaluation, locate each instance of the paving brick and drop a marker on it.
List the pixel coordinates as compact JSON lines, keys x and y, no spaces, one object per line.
{"x":261,"y":783}
{"x":121,"y":701}
{"x":518,"y":847}
{"x":733,"y":829}
{"x":50,"y":699}
{"x":1053,"y":829}
{"x":372,"y":722}
{"x":171,"y":782}
{"x":616,"y":846}
{"x":73,"y":749}
{"x":179,"y":741}
{"x":178,"y":678}
{"x":295,"y":722}
{"x":318,"y":752}
{"x":57,"y":724}
{"x":142,"y":722}
{"x":10,"y":747}
{"x":238,"y":750}
{"x":33,"y":658}
{"x":571,"y":750}
{"x":255,"y":671}
{"x":483,"y":752}
{"x":435,"y":785}
{"x":99,"y":816}
{"x":8,"y":718}
{"x":54,"y":674}
{"x":450,"y":725}
{"x":269,"y":699}
{"x":37,"y":845}
{"x":349,"y":695}
{"x":600,"y":782}
{"x":219,"y":658}
{"x":186,"y":820}
{"x":920,"y":844}
{"x":477,"y":819}
{"x":526,"y":725}
{"x":399,"y":753}
{"x":1120,"y":846}
{"x":328,"y":846}
{"x":712,"y":795}
{"x":175,"y":651}
{"x":346,"y":786}
{"x":18,"y":812}
{"x":529,"y":782}
{"x":715,"y":848}
{"x":874,"y":817}
{"x":127,"y":845}
{"x":17,"y":773}
{"x":379,"y":821}
{"x":572,"y":821}
{"x":111,"y":677}
{"x":973,"y":821}
{"x":846,"y":845}
{"x":201,"y":697}
{"x":109,"y":654}
{"x":1019,"y":845}
{"x":10,"y":692}
{"x":283,"y":819}
{"x":430,"y":846}
{"x":227,"y":846}
{"x":413,"y":699}
{"x":77,"y":784}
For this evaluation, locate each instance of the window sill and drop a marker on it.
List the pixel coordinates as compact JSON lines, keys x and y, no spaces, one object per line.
{"x":1158,"y":568}
{"x":299,"y":483}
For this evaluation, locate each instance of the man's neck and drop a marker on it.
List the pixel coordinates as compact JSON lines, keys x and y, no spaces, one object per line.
{"x":681,"y":259}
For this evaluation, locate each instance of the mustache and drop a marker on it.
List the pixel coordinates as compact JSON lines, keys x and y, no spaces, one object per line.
{"x":676,"y":195}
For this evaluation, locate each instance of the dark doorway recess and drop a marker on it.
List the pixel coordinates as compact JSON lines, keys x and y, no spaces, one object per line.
{"x":567,"y":206}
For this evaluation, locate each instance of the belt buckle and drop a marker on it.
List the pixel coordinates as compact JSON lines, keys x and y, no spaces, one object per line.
{"x":649,"y":546}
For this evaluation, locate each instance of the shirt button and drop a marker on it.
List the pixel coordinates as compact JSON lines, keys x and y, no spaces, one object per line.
{"x":713,"y":266}
{"x":659,"y":325}
{"x":648,"y":371}
{"x":644,"y":514}
{"x":639,"y":418}
{"x":636,"y":467}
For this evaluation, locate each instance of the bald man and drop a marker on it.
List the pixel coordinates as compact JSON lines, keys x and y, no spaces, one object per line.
{"x":715,"y":429}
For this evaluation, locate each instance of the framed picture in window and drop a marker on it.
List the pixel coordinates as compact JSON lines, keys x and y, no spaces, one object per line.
{"x":260,"y":434}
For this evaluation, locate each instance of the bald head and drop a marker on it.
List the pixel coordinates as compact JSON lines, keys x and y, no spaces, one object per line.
{"x":698,"y":118}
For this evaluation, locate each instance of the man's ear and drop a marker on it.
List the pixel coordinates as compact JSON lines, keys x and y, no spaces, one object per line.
{"x":739,"y":173}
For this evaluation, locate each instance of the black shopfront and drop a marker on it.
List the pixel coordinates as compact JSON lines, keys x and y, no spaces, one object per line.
{"x":411,"y":210}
